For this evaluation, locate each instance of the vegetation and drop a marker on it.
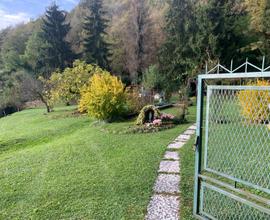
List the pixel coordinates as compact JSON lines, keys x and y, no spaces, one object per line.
{"x":187,"y":180}
{"x":64,"y":166}
{"x":161,"y":45}
{"x":104,"y":97}
{"x":71,"y":80}
{"x":255,"y":103}
{"x":94,"y":27}
{"x":54,"y":30}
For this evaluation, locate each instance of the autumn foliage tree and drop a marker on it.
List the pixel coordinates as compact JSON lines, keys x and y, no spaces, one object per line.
{"x":71,"y":80}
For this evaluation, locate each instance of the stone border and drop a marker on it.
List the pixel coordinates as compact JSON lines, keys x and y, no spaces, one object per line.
{"x":165,"y":202}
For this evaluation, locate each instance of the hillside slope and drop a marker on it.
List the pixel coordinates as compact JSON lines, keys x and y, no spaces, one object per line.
{"x":61,"y":166}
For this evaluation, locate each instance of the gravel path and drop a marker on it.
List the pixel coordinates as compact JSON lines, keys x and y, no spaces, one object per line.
{"x":165,"y":202}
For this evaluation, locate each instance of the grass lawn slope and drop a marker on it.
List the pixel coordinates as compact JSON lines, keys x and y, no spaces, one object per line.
{"x":61,"y":166}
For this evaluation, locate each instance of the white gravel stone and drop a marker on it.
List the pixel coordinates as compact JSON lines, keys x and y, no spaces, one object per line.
{"x":176,"y":145}
{"x":163,"y":208}
{"x":167,"y":183}
{"x":169,"y":167}
{"x":171,"y":155}
{"x":189,"y":132}
{"x":183,"y":137}
{"x":192,"y":127}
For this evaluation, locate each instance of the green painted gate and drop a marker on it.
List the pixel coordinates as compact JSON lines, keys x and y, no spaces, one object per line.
{"x":232,"y":167}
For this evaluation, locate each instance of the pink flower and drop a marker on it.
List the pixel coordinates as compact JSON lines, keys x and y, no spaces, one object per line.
{"x":157,"y":122}
{"x":165,"y":116}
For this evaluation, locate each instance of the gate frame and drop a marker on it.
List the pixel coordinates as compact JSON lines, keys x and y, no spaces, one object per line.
{"x":212,"y":75}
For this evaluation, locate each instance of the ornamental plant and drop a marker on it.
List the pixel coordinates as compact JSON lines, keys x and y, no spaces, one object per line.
{"x":71,"y":80}
{"x":104,"y":97}
{"x":254,"y":103}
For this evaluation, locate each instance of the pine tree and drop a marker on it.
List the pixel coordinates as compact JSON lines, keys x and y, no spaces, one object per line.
{"x":176,"y":53}
{"x":96,"y":50}
{"x":55,"y":30}
{"x":217,"y":38}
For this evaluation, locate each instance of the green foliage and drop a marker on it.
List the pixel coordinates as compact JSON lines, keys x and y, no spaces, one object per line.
{"x":220,"y":32}
{"x":176,"y":55}
{"x":259,"y":12}
{"x":104,"y":97}
{"x":46,"y":94}
{"x":36,"y":55}
{"x":55,"y":29}
{"x":95,"y":47}
{"x":12,"y":48}
{"x":152,"y":79}
{"x":141,"y":119}
{"x":71,"y":80}
{"x":11,"y":89}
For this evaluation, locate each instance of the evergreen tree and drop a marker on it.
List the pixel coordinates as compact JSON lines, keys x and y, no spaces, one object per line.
{"x":55,"y":30}
{"x":96,"y":50}
{"x":36,"y":56}
{"x":176,"y":55}
{"x":218,"y":37}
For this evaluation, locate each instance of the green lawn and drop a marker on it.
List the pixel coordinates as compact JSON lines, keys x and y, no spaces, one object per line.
{"x":61,"y":166}
{"x":187,"y":179}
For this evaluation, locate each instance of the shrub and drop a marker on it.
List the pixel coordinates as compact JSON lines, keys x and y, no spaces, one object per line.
{"x":152,"y":78}
{"x":104,"y":97}
{"x":135,"y":102}
{"x":254,"y":103}
{"x":71,"y":80}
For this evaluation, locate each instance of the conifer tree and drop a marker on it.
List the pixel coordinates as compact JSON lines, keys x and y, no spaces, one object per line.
{"x":54,"y":30}
{"x":96,"y":49}
{"x":217,"y":38}
{"x":176,"y":54}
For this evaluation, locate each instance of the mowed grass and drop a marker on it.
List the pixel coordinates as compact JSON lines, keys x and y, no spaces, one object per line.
{"x":62,"y":166}
{"x":187,"y":164}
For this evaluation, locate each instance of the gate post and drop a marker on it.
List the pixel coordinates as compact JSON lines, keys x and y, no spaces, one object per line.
{"x":198,"y":145}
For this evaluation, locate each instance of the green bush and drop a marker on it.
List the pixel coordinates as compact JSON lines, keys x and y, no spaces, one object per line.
{"x":152,"y":78}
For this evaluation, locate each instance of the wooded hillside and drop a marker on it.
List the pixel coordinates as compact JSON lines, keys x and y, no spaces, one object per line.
{"x":165,"y":42}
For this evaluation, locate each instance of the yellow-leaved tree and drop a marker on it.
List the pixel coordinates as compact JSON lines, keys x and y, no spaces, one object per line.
{"x":103,"y":97}
{"x":255,"y":103}
{"x":71,"y":81}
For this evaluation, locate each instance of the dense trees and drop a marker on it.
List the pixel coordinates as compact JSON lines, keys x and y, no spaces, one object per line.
{"x":157,"y":44}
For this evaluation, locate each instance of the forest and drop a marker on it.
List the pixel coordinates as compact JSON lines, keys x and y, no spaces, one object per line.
{"x":161,"y":45}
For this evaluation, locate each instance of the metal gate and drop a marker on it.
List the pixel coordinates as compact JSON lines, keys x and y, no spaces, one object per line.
{"x":232,"y":167}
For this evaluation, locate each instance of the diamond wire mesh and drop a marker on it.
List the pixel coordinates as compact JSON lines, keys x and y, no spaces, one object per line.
{"x":238,"y":142}
{"x":220,"y":206}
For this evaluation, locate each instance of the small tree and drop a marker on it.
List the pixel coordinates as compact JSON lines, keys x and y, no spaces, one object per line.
{"x":152,"y":79}
{"x":71,"y":81}
{"x":104,"y":97}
